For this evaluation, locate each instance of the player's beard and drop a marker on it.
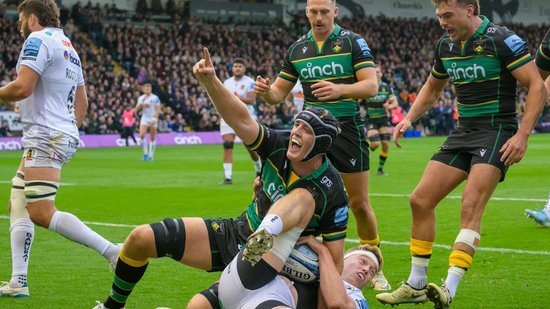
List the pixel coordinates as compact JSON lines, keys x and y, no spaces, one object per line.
{"x":26,"y":30}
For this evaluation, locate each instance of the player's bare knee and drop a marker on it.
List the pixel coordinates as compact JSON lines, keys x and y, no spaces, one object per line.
{"x":140,"y":239}
{"x":170,"y":238}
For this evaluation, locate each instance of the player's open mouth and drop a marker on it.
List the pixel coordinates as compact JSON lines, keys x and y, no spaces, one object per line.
{"x":295,"y":144}
{"x":361,"y":276}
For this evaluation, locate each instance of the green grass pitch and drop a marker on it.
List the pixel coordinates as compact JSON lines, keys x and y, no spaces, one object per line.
{"x":112,"y":190}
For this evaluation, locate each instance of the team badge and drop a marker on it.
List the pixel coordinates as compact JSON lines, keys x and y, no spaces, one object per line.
{"x":217,"y":228}
{"x":242,"y":87}
{"x":479,"y":46}
{"x":337,"y":45}
{"x":29,"y":154}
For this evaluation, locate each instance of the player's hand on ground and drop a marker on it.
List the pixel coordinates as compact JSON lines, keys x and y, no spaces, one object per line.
{"x":204,"y":69}
{"x":262,"y":86}
{"x":326,"y":91}
{"x":399,"y":130}
{"x":514,"y":149}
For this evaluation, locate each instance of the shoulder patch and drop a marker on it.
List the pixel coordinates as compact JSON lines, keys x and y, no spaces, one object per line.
{"x":515,"y":43}
{"x":364,"y":47}
{"x":31,"y":48}
{"x":341,"y":215}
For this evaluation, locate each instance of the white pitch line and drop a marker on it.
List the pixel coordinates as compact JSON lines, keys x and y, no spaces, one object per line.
{"x":384,"y":242}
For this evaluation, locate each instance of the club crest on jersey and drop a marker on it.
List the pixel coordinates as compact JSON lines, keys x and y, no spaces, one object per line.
{"x":337,"y":45}
{"x":29,"y":154}
{"x":479,"y":46}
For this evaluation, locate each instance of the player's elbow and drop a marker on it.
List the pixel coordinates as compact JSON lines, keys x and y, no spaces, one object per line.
{"x":23,"y":92}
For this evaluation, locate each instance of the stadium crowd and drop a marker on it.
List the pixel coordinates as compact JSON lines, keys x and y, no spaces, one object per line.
{"x":118,"y":55}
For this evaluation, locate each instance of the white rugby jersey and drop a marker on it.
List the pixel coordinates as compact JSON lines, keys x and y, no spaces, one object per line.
{"x":298,"y":96}
{"x":50,"y":54}
{"x":148,"y":105}
{"x":356,"y":295}
{"x":241,"y":88}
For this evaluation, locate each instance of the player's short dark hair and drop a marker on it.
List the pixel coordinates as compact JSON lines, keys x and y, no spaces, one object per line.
{"x":240,"y":61}
{"x":462,"y":3}
{"x":46,"y":11}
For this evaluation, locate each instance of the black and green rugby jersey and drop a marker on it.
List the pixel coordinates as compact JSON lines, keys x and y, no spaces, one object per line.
{"x":335,"y":60}
{"x":375,"y":105}
{"x":481,"y":70}
{"x":543,"y":54}
{"x":330,"y":217}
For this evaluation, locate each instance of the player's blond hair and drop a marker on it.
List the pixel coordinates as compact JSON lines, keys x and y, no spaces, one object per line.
{"x":46,"y":11}
{"x":462,"y":3}
{"x":373,"y":249}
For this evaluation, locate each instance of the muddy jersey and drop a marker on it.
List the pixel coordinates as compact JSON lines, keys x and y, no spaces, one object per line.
{"x":335,"y":60}
{"x":543,"y":53}
{"x":330,"y":216}
{"x":51,"y":105}
{"x":375,"y":105}
{"x":481,"y":69}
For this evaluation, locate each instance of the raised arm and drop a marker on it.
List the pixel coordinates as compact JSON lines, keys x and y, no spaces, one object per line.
{"x":231,"y":108}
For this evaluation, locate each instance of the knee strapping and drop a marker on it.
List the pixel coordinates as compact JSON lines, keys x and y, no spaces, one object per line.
{"x":40,"y":190}
{"x":228,"y":145}
{"x":169,"y":238}
{"x":374,"y":138}
{"x":469,"y":237}
{"x":283,"y":244}
{"x":385,"y":136}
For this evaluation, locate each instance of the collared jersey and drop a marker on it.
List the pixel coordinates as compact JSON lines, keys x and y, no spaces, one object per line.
{"x":335,"y":60}
{"x":375,"y":105}
{"x":356,"y":295}
{"x":51,"y":105}
{"x":543,"y":53}
{"x":148,"y":105}
{"x":481,"y":70}
{"x":330,"y":216}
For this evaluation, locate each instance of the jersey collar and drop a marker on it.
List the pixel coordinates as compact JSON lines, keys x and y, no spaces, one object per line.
{"x":482,"y":27}
{"x":335,"y":32}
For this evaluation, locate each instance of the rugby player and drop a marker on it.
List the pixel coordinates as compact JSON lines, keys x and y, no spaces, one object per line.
{"x":149,"y":105}
{"x":297,"y":182}
{"x":52,"y":99}
{"x":335,"y":67}
{"x":485,"y":62}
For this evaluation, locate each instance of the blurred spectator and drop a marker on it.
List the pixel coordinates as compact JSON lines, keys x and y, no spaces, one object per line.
{"x":5,"y":129}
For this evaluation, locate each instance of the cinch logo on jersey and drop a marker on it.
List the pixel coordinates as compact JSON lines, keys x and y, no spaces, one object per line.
{"x":457,"y":73}
{"x":73,"y":60}
{"x":314,"y":71}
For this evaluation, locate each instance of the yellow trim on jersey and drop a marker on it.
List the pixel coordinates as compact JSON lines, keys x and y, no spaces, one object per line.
{"x":478,"y":104}
{"x":293,"y":178}
{"x":320,"y":57}
{"x":443,"y":75}
{"x":476,"y":81}
{"x":364,"y":62}
{"x":332,"y":78}
{"x":335,"y":233}
{"x":467,"y":57}
{"x":518,"y":61}
{"x":288,"y":75}
{"x":258,"y":143}
{"x":542,"y":53}
{"x":320,"y":44}
{"x":331,"y":102}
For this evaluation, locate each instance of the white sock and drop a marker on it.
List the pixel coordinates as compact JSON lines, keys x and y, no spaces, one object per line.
{"x":144,"y":145}
{"x":152,"y":148}
{"x":69,"y":226}
{"x":271,"y":223}
{"x":228,"y":170}
{"x":454,"y":275}
{"x":418,"y":278}
{"x":547,"y":207}
{"x":21,"y":236}
{"x":258,"y":165}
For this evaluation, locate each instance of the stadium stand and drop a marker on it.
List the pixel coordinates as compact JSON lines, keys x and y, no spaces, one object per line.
{"x":121,"y":50}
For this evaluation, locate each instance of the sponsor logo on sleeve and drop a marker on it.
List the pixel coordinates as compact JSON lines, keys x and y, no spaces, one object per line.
{"x":31,"y":48}
{"x":516,"y":44}
{"x":341,"y":215}
{"x":364,"y":47}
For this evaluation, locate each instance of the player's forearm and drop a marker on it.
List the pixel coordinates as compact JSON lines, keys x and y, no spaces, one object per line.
{"x":536,"y":98}
{"x":424,"y":101}
{"x":249,"y":99}
{"x":330,"y":283}
{"x":359,"y":90}
{"x":15,"y":91}
{"x":274,"y":96}
{"x":80,"y":105}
